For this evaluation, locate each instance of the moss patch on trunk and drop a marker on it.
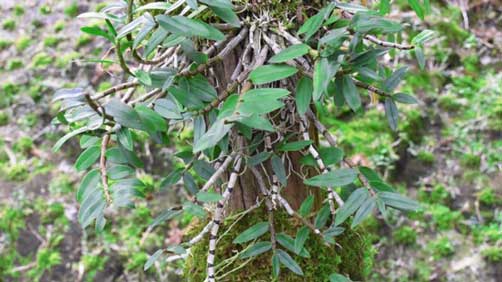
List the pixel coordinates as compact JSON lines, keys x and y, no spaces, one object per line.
{"x":353,"y":256}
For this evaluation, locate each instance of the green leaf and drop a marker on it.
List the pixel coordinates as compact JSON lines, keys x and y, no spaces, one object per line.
{"x":215,"y":133}
{"x":152,"y":259}
{"x":218,"y":3}
{"x":123,"y":114}
{"x":364,"y":211}
{"x":391,"y":112}
{"x":171,"y":179}
{"x":119,"y":171}
{"x":194,"y":209}
{"x":322,"y":216}
{"x":167,"y":108}
{"x":258,"y":122}
{"x":278,"y":169}
{"x":208,"y":197}
{"x":311,"y":25}
{"x":87,"y":158}
{"x":393,"y":81}
{"x":350,"y":93}
{"x":192,"y":4}
{"x":321,"y":78}
{"x":227,"y":14}
{"x":339,"y":177}
{"x":67,"y":136}
{"x":143,"y":77}
{"x":289,"y":262}
{"x":259,"y":158}
{"x":372,"y":23}
{"x":355,"y":200}
{"x":384,"y":9}
{"x":200,"y":87}
{"x":154,"y":6}
{"x":424,"y":36}
{"x":398,"y":201}
{"x":164,"y":216}
{"x":269,"y":73}
{"x":304,"y":89}
{"x":256,"y":249}
{"x":96,"y":31}
{"x":184,"y":26}
{"x":404,"y":98}
{"x":276,"y":265}
{"x":151,"y":119}
{"x":189,"y":183}
{"x":335,"y":277}
{"x":89,"y":181}
{"x":301,"y":237}
{"x":252,"y":233}
{"x":289,"y":243}
{"x":125,"y":138}
{"x":419,"y":54}
{"x":331,"y":155}
{"x":294,"y":146}
{"x":92,"y":206}
{"x":415,"y":5}
{"x":290,"y":53}
{"x":306,"y":206}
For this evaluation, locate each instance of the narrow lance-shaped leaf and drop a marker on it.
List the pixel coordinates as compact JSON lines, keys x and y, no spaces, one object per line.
{"x":256,"y":249}
{"x":252,"y":233}
{"x":339,"y":177}
{"x":355,"y":200}
{"x":269,"y":73}
{"x":87,"y":158}
{"x":290,"y":53}
{"x":289,"y":262}
{"x":303,"y":97}
{"x":391,"y":112}
{"x":350,"y":93}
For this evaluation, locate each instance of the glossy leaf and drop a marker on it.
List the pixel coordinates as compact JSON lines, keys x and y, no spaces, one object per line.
{"x":290,"y":53}
{"x":391,"y":112}
{"x":306,"y":206}
{"x":87,"y":158}
{"x":404,"y":98}
{"x":301,"y":237}
{"x":364,"y":211}
{"x":304,"y":89}
{"x":256,"y":249}
{"x":355,"y":200}
{"x":184,"y":26}
{"x":165,"y":215}
{"x":289,"y":262}
{"x":295,"y":145}
{"x":123,"y":114}
{"x":279,"y":170}
{"x":415,"y":5}
{"x":215,"y":133}
{"x":152,"y":259}
{"x":398,"y":201}
{"x":350,"y":93}
{"x":270,"y":73}
{"x":252,"y":233}
{"x":339,"y":177}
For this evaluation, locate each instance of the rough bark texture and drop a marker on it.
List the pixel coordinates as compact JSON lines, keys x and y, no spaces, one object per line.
{"x":246,"y":191}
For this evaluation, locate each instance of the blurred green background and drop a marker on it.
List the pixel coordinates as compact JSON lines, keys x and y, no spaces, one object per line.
{"x":447,"y":154}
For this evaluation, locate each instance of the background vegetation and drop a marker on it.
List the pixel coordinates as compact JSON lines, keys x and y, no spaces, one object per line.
{"x":447,"y":154}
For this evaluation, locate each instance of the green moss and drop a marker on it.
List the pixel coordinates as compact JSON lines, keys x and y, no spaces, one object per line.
{"x":64,"y":60}
{"x":59,"y":26}
{"x":443,"y":217}
{"x":104,"y":86}
{"x":495,"y":115}
{"x":51,"y":41}
{"x":4,"y":44}
{"x":405,"y":235}
{"x":9,"y":24}
{"x":22,"y":43}
{"x":413,"y":126}
{"x":472,"y":161}
{"x":45,"y":9}
{"x":471,"y":64}
{"x":4,"y":118}
{"x":487,"y":196}
{"x":23,"y":144}
{"x":83,"y":40}
{"x":492,"y":254}
{"x":72,"y":10}
{"x":17,"y":172}
{"x":449,"y":102}
{"x":41,"y":60}
{"x":18,"y":10}
{"x":441,"y":247}
{"x":14,"y":64}
{"x":426,"y":157}
{"x":354,"y":257}
{"x":29,"y":120}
